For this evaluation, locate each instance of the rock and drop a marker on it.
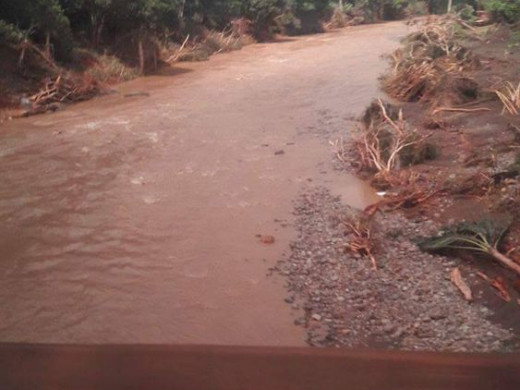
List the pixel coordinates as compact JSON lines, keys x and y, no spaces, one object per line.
{"x":316,"y":317}
{"x":389,"y":328}
{"x":299,"y":322}
{"x":436,"y":316}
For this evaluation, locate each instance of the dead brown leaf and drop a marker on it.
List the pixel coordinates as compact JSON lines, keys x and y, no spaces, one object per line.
{"x":267,"y":239}
{"x":457,"y":280}
{"x":498,"y":284}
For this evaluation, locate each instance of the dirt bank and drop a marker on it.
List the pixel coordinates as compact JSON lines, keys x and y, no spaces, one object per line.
{"x":410,"y":301}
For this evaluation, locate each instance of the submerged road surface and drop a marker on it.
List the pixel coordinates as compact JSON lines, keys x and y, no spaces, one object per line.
{"x":135,"y":220}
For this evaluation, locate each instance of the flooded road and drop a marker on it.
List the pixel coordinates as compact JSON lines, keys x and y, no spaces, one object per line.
{"x":135,"y":220}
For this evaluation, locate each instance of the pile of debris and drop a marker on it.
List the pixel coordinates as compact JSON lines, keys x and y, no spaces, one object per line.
{"x":433,"y":68}
{"x":387,"y":143}
{"x":64,"y":89}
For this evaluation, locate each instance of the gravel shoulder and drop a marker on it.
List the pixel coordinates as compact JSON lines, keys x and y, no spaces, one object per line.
{"x":408,"y":303}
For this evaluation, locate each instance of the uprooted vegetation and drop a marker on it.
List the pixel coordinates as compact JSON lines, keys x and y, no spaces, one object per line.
{"x":387,"y":142}
{"x":359,"y":230}
{"x":209,"y":43}
{"x":433,"y":67}
{"x":460,"y":104}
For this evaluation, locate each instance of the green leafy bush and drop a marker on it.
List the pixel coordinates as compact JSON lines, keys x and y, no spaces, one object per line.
{"x":9,"y":33}
{"x":504,"y":10}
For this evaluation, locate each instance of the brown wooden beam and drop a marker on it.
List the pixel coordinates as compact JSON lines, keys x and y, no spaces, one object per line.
{"x":54,"y":367}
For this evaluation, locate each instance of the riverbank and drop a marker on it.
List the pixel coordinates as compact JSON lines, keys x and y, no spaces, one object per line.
{"x":411,"y":300}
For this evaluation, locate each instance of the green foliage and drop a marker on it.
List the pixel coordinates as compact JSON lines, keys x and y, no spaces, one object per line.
{"x":9,"y":33}
{"x":514,"y":40}
{"x":465,"y":11}
{"x":44,"y":19}
{"x":473,"y":236}
{"x":59,"y":25}
{"x":417,"y":8}
{"x":504,"y":10}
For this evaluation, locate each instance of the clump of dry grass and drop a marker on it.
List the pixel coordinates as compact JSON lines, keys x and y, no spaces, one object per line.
{"x":109,"y":70}
{"x":509,"y":95}
{"x":211,"y":42}
{"x":433,"y":68}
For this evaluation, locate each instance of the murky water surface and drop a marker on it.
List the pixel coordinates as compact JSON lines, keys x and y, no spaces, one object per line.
{"x":134,"y":220}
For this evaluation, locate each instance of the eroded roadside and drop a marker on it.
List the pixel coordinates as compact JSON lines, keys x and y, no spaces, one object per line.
{"x":411,"y":301}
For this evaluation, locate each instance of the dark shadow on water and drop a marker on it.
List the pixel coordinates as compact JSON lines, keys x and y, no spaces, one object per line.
{"x":170,"y":70}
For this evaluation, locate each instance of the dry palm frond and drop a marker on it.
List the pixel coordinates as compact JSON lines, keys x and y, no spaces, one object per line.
{"x":484,"y":237}
{"x":510,"y":98}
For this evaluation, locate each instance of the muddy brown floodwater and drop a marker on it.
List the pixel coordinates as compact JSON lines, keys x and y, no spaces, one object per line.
{"x":135,"y":220}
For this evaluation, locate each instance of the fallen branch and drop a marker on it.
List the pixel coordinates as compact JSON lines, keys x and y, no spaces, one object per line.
{"x":63,"y":89}
{"x":471,"y":28}
{"x":455,"y":109}
{"x":42,"y":55}
{"x":177,"y":54}
{"x":403,"y":200}
{"x":361,"y":243}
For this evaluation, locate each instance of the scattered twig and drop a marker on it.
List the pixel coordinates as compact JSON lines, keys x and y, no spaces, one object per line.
{"x":339,"y":149}
{"x":361,"y":242}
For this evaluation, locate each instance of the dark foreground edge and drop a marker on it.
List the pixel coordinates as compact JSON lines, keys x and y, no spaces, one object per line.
{"x":63,"y":367}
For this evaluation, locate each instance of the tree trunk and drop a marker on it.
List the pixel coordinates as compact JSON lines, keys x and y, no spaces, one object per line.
{"x":141,"y":56}
{"x":24,"y":46}
{"x":431,"y":6}
{"x":47,"y":49}
{"x":181,"y":11}
{"x":450,"y":3}
{"x":97,"y":29}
